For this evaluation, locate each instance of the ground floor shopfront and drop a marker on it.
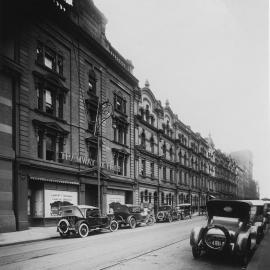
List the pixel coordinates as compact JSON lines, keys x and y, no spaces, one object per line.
{"x":158,"y":195}
{"x":41,"y":191}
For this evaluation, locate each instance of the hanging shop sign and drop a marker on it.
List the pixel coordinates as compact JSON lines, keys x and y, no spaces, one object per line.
{"x":83,"y":160}
{"x":55,"y":199}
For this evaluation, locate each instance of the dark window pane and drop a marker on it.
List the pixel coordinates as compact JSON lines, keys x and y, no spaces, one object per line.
{"x":40,"y":144}
{"x":50,"y":147}
{"x":49,"y":102}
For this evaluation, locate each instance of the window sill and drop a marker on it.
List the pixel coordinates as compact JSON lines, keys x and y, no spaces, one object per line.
{"x":51,"y":116}
{"x":50,"y":70}
{"x":124,"y":145}
{"x":122,"y":113}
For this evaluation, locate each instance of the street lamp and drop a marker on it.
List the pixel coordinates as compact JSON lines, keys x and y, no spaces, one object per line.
{"x":104,"y":111}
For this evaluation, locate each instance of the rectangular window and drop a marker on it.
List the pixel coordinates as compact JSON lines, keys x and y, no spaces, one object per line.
{"x":171,"y":175}
{"x":119,"y":104}
{"x":50,"y":147}
{"x":49,"y":108}
{"x":152,"y":169}
{"x":48,"y":61}
{"x":40,"y":144}
{"x":164,"y":173}
{"x":143,"y":167}
{"x":39,"y":98}
{"x":49,"y":58}
{"x":47,"y":101}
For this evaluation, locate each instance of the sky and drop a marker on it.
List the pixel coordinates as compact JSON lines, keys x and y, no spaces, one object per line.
{"x":209,"y":59}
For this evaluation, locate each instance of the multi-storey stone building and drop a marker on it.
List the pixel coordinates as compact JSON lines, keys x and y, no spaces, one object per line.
{"x":173,"y":163}
{"x":58,"y":69}
{"x":74,"y":124}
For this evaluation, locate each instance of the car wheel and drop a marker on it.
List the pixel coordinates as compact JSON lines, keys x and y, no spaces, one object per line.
{"x":170,"y":218}
{"x":196,"y":252}
{"x":150,"y":221}
{"x":114,"y":226}
{"x":132,"y":223}
{"x":244,"y":259}
{"x":83,"y":230}
{"x":63,"y":227}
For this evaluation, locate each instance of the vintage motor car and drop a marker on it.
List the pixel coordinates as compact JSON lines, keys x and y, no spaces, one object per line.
{"x":184,"y":210}
{"x":132,"y":215}
{"x":267,"y":211}
{"x":231,"y":228}
{"x":82,"y":219}
{"x":167,"y":213}
{"x":260,"y":217}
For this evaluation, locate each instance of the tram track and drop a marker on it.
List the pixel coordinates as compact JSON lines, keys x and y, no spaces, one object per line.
{"x":143,"y":254}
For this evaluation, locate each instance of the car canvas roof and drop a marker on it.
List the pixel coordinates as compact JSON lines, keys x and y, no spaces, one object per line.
{"x":255,"y":202}
{"x":87,"y":206}
{"x":239,"y":209}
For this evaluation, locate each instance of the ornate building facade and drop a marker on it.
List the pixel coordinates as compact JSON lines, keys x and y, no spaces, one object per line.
{"x":76,"y":129}
{"x":173,"y":163}
{"x":59,"y":70}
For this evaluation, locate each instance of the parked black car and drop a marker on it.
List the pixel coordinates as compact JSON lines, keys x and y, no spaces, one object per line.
{"x":260,"y":218}
{"x":132,"y":215}
{"x":167,"y":213}
{"x":231,"y":228}
{"x":184,"y":210}
{"x":82,"y":219}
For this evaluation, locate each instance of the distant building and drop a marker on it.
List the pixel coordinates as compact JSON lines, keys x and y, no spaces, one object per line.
{"x":244,"y":160}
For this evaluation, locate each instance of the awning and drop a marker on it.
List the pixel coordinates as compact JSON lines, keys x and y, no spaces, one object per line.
{"x":53,"y":180}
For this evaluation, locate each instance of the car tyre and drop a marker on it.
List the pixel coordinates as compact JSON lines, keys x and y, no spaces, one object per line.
{"x":196,"y":252}
{"x":83,"y":230}
{"x":132,"y":223}
{"x":114,"y":226}
{"x":63,"y":225}
{"x":150,"y":221}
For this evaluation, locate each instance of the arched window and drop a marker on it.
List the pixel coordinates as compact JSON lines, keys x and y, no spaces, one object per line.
{"x":141,"y":194}
{"x":164,"y":149}
{"x":152,"y":144}
{"x":150,"y":197}
{"x":146,"y":195}
{"x":171,"y":153}
{"x":152,"y":120}
{"x":143,"y":140}
{"x":162,"y":197}
{"x":147,"y":113}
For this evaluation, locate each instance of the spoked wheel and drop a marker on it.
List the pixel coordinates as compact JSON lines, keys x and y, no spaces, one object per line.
{"x":244,"y":259}
{"x":83,"y":230}
{"x":114,"y":226}
{"x":132,"y":223}
{"x":196,"y":252}
{"x":63,"y":228}
{"x":150,"y":221}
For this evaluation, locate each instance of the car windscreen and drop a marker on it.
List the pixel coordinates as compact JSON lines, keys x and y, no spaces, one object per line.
{"x":71,"y":211}
{"x":232,"y":209}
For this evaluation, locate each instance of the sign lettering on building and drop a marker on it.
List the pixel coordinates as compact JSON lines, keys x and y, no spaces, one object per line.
{"x":88,"y":161}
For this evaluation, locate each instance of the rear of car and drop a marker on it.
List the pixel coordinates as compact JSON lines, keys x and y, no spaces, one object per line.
{"x":227,"y":229}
